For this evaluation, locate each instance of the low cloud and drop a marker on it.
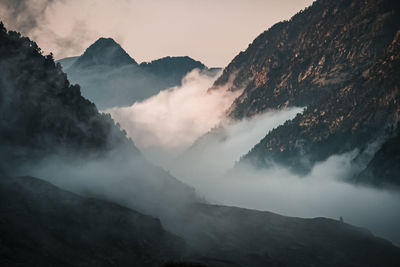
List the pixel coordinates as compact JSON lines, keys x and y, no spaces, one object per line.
{"x":325,"y":192}
{"x":186,"y":131}
{"x":173,"y":119}
{"x":216,"y":152}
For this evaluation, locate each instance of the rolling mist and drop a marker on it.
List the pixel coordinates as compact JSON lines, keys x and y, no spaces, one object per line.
{"x":172,"y":160}
{"x":200,"y":146}
{"x":172,"y":120}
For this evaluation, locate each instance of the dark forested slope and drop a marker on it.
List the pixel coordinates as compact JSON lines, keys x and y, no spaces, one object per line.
{"x":39,"y":108}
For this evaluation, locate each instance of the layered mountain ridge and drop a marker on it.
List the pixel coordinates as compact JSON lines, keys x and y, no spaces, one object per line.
{"x":110,"y":77}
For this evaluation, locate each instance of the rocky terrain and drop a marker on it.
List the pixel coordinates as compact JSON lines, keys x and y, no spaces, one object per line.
{"x":339,"y":59}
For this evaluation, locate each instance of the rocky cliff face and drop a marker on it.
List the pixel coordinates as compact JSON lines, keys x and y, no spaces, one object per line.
{"x":356,"y":115}
{"x":297,"y":62}
{"x":337,"y":58}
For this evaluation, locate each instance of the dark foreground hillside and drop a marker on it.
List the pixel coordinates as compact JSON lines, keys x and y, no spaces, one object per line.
{"x":255,"y":238}
{"x":42,"y":225}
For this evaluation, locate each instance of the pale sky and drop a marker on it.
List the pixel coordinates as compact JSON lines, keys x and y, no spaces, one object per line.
{"x":212,"y":31}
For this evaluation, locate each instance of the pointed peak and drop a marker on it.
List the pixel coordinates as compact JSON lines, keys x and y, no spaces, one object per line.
{"x":104,"y":52}
{"x":103,"y":42}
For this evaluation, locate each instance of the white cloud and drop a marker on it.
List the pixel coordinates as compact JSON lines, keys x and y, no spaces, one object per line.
{"x":175,"y":118}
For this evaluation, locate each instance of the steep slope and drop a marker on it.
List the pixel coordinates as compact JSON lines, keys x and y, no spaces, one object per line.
{"x":42,"y":225}
{"x":356,"y":115}
{"x":337,"y":58}
{"x":41,"y":111}
{"x":297,"y":62}
{"x":112,"y":79}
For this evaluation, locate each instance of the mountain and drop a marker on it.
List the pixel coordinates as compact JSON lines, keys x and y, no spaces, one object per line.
{"x":105,"y":51}
{"x":110,"y":78}
{"x":44,"y":118}
{"x":45,"y":122}
{"x":41,"y":111}
{"x":176,"y":66}
{"x":336,"y":58}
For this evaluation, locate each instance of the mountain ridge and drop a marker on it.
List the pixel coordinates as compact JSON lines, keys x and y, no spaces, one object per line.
{"x":104,"y":51}
{"x":110,"y":82}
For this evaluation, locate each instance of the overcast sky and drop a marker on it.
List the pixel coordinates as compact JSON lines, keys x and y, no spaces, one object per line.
{"x":212,"y":31}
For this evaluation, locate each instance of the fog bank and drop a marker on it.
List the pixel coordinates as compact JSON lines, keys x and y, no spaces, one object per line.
{"x":173,"y":119}
{"x":185,"y":130}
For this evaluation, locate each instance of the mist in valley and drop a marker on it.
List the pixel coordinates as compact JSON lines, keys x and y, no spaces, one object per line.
{"x":185,"y":131}
{"x":197,"y":143}
{"x":172,"y":160}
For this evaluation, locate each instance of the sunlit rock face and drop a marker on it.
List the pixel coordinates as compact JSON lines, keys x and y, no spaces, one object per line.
{"x":339,"y":59}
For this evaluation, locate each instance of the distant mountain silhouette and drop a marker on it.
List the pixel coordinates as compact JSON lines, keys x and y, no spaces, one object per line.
{"x":105,"y":51}
{"x":109,"y":77}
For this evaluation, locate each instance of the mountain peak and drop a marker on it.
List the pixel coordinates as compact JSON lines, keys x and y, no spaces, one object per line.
{"x":105,"y":51}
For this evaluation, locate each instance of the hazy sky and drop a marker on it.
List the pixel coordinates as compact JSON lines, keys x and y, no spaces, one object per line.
{"x":212,"y":31}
